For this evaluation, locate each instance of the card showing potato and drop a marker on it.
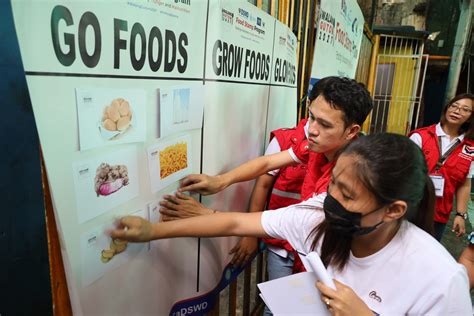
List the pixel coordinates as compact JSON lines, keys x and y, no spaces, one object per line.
{"x":110,"y":116}
{"x":101,"y":254}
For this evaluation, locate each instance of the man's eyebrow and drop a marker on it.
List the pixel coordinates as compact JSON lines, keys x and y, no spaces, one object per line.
{"x":321,"y":120}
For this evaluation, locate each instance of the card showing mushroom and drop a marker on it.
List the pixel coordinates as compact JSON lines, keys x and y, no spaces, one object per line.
{"x":105,"y":182}
{"x":110,"y":116}
{"x":169,"y":161}
{"x":100,"y":253}
{"x":181,"y":109}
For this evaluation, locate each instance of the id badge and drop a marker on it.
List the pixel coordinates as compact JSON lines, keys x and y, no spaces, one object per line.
{"x":438,"y":182}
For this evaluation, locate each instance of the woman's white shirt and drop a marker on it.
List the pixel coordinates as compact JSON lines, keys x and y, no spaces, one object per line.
{"x":413,"y":274}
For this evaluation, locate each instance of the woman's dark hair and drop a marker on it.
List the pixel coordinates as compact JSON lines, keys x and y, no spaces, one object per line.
{"x":468,"y":126}
{"x":346,"y":95}
{"x":392,"y":168}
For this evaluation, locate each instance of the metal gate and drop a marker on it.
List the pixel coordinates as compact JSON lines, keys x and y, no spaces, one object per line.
{"x":399,"y":80}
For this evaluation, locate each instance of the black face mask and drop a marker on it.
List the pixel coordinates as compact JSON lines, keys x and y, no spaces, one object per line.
{"x":343,"y":221}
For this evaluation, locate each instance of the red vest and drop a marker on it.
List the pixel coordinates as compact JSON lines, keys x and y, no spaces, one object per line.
{"x":454,"y":170}
{"x":318,"y":177}
{"x":287,"y":187}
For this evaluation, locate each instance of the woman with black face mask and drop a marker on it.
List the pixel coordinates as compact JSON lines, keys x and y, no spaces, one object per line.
{"x":372,"y":231}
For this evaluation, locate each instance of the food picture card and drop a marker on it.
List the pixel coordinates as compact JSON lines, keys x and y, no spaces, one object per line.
{"x":169,"y":161}
{"x":180,"y":109}
{"x":105,"y":182}
{"x":110,"y":116}
{"x":101,"y":254}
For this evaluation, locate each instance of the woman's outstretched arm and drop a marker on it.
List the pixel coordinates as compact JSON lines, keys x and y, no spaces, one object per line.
{"x":137,"y":229}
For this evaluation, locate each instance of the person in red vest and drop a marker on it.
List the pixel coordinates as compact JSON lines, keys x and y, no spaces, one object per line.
{"x":336,"y":114}
{"x":338,"y":106}
{"x":284,"y":184}
{"x":449,"y":148}
{"x":280,"y":188}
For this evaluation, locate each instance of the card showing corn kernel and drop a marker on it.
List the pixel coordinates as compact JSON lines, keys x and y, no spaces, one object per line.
{"x":110,"y":116}
{"x":169,"y":161}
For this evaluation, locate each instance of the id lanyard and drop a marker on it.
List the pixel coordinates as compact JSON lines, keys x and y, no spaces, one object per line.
{"x":438,"y":180}
{"x":442,"y":158}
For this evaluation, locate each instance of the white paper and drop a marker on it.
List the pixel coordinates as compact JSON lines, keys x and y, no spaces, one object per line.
{"x":314,"y":264}
{"x":181,"y":109}
{"x":162,"y":175}
{"x":94,"y":242}
{"x":95,"y":179}
{"x":92,"y":105}
{"x":438,"y":183}
{"x":154,"y":211}
{"x":294,"y":295}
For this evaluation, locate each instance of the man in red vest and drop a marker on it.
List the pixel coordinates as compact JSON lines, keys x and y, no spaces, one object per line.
{"x":336,"y":113}
{"x":285,"y":188}
{"x":338,"y":107}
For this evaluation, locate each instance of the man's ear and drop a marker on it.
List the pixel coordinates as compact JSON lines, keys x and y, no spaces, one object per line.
{"x":396,"y":210}
{"x":354,"y":130}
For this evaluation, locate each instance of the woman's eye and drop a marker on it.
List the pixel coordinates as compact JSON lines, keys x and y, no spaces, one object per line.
{"x":346,"y":197}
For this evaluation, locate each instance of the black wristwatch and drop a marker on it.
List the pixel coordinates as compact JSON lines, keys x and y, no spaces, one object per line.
{"x":470,"y":238}
{"x":463,"y":215}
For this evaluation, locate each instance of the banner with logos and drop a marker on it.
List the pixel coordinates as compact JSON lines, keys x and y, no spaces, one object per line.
{"x":239,"y":53}
{"x":340,"y":27}
{"x":118,"y":90}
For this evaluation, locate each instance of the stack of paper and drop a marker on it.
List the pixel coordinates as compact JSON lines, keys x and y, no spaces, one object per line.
{"x":297,"y":294}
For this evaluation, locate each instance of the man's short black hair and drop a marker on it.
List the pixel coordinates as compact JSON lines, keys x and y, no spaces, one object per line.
{"x":344,"y":94}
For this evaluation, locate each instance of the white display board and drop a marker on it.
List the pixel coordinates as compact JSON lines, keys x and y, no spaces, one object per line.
{"x":97,"y":74}
{"x":283,"y":89}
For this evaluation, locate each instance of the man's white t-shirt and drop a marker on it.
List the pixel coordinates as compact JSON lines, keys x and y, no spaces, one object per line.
{"x":446,"y":143}
{"x":413,"y":274}
{"x":274,"y":147}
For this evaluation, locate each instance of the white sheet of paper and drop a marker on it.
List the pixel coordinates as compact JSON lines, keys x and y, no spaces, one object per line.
{"x":313,"y":263}
{"x":293,"y":295}
{"x":92,"y":103}
{"x":96,"y":240}
{"x":91,"y":204}
{"x":154,"y":211}
{"x":181,"y":109}
{"x":161,"y":178}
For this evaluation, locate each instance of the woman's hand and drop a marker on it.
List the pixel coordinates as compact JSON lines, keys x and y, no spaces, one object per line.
{"x":243,"y":251}
{"x":343,"y":300}
{"x":202,"y":184}
{"x":181,"y":206}
{"x":459,"y":226}
{"x":133,"y":228}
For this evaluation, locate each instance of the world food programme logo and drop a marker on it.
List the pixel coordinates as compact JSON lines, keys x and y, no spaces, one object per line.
{"x":227,"y":16}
